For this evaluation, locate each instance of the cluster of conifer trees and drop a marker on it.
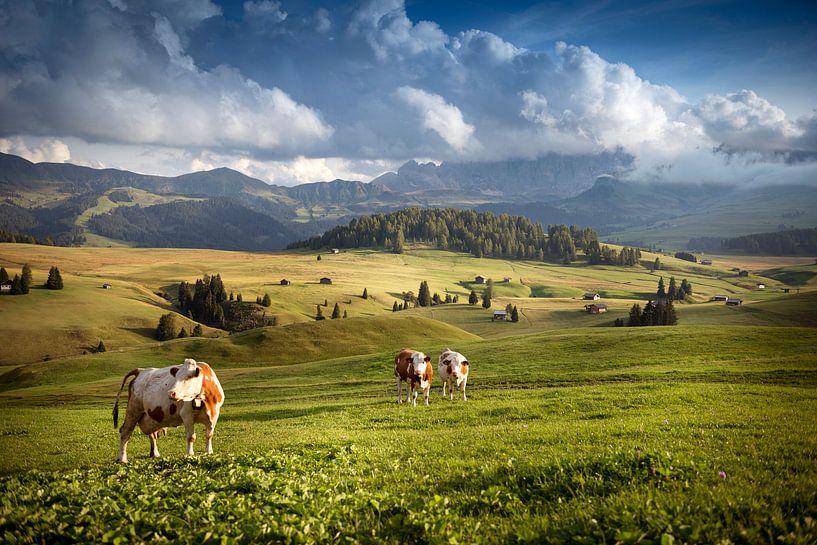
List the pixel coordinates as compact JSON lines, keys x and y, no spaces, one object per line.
{"x":674,"y":292}
{"x":596,"y":255}
{"x":166,"y":329}
{"x":203,"y":302}
{"x":659,"y":312}
{"x":21,"y":283}
{"x":482,"y":234}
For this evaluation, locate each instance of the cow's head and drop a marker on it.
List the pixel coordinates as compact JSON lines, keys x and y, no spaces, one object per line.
{"x":456,"y":366}
{"x":189,"y":381}
{"x":421,"y":369}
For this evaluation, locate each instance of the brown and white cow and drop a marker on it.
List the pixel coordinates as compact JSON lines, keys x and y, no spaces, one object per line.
{"x":453,"y":369}
{"x":169,"y":397}
{"x":414,"y":368}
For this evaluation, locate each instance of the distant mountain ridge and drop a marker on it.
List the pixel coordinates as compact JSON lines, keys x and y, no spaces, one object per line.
{"x":552,"y":176}
{"x":71,"y":204}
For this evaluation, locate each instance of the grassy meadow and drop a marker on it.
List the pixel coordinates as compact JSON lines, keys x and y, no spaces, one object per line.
{"x":574,"y":431}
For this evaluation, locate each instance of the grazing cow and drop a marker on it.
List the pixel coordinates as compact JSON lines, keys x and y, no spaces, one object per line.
{"x":453,"y":369}
{"x":165,"y":398}
{"x":414,"y":368}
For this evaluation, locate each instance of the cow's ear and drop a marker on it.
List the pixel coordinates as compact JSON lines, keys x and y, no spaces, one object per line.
{"x":465,"y":362}
{"x":174,"y":370}
{"x":198,"y":371}
{"x":428,"y":359}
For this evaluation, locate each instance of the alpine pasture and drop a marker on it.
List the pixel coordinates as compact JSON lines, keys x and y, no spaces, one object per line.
{"x":574,"y":431}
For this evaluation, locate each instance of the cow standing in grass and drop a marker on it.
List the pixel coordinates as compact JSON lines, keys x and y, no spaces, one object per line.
{"x":453,"y":368}
{"x":184,"y":394}
{"x":414,"y":368}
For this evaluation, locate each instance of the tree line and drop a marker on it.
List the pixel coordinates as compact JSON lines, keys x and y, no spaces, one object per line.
{"x":785,"y":242}
{"x":481,"y":234}
{"x":21,"y":283}
{"x":655,"y":313}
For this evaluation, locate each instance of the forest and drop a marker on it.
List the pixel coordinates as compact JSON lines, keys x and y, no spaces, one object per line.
{"x":481,"y":234}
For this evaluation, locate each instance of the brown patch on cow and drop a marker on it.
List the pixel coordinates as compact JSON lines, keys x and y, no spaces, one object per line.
{"x":157,"y":414}
{"x":174,"y":370}
{"x":464,"y":368}
{"x":428,"y":374}
{"x":402,"y":364}
{"x":448,"y":369}
{"x":172,"y":409}
{"x":212,"y":395}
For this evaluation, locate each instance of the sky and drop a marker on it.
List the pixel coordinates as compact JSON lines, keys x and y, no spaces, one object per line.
{"x":294,"y":91}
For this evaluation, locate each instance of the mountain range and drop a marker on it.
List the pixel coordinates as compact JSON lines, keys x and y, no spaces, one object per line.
{"x":223,"y":208}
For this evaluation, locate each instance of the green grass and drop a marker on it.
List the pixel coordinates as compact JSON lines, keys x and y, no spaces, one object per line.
{"x":574,"y":431}
{"x":591,"y":435}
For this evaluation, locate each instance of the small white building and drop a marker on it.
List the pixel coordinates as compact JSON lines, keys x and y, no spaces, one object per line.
{"x":335,"y":251}
{"x":106,"y":286}
{"x":761,"y":286}
{"x":591,"y":297}
{"x":500,"y":315}
{"x":479,"y":279}
{"x":5,"y":287}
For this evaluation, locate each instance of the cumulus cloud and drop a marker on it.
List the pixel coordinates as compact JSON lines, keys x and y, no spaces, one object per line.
{"x":144,"y":88}
{"x":286,"y":95}
{"x":439,"y":116}
{"x":48,"y":150}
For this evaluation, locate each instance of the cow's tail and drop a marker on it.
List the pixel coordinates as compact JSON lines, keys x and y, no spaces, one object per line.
{"x":133,"y":373}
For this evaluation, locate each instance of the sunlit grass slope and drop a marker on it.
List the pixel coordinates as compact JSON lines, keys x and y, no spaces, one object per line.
{"x":592,"y":434}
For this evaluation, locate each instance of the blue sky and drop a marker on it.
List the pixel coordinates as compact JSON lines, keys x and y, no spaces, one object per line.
{"x":293,"y":90}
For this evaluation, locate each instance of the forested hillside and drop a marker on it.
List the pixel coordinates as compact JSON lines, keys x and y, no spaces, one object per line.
{"x":789,"y":242}
{"x":479,"y":233}
{"x":214,"y":223}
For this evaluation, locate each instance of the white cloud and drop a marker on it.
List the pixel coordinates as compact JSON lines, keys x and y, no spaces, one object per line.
{"x":390,"y":32}
{"x":48,"y":150}
{"x":480,"y":46}
{"x":264,"y":11}
{"x":439,"y":116}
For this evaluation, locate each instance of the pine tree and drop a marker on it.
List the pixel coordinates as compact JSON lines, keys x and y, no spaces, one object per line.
{"x":448,"y":298}
{"x":456,"y":299}
{"x":319,"y":257}
{"x":26,"y":278}
{"x":473,"y":298}
{"x":435,"y":300}
{"x":16,"y":285}
{"x":101,"y":347}
{"x":486,"y":299}
{"x":365,"y":293}
{"x":514,"y":314}
{"x":345,"y":314}
{"x":424,"y":295}
{"x":239,"y":297}
{"x":326,"y":302}
{"x":232,"y":296}
{"x":635,"y":316}
{"x":656,"y":266}
{"x":660,"y":291}
{"x":197,"y":331}
{"x":319,"y":315}
{"x":182,"y":333}
{"x":399,"y":242}
{"x":166,"y":329}
{"x":670,"y":317}
{"x":258,"y":300}
{"x":336,"y":312}
{"x":4,"y":275}
{"x":394,"y":307}
{"x":509,"y":308}
{"x":266,"y":301}
{"x":672,"y":291}
{"x":54,"y":281}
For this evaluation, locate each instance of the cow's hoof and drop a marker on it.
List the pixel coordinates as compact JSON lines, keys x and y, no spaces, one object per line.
{"x":122,"y":461}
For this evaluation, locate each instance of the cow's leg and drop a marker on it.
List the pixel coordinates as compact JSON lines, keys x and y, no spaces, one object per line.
{"x":413,"y":394}
{"x":426,"y":393}
{"x":408,"y":391}
{"x":124,"y":435}
{"x":399,"y":391}
{"x":462,"y":387}
{"x":154,"y":444}
{"x":445,"y":383}
{"x":188,"y":418}
{"x":209,"y":430}
{"x":451,"y":389}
